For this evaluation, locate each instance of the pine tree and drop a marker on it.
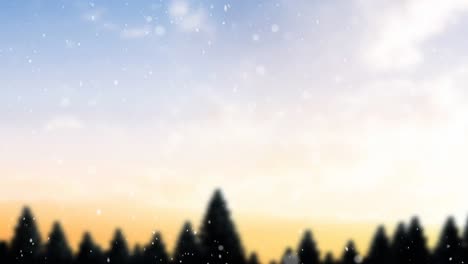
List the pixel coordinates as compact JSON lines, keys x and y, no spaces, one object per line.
{"x":188,"y":247}
{"x":399,"y":247}
{"x":289,"y":257}
{"x":329,"y":259}
{"x":253,"y":259}
{"x":3,"y":252}
{"x":57,"y":250}
{"x":137,"y":256}
{"x":219,"y":237}
{"x":465,"y":244}
{"x":89,"y":252}
{"x":307,"y":250}
{"x":379,"y":251}
{"x":118,"y":253}
{"x":418,"y":253}
{"x":350,"y":254}
{"x":448,"y":249}
{"x":155,"y":251}
{"x":26,"y":240}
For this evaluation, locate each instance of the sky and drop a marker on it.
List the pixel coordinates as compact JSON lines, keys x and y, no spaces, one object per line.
{"x":332,"y":115}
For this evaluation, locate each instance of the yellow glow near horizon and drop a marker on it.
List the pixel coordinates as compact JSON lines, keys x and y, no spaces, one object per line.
{"x":268,"y":236}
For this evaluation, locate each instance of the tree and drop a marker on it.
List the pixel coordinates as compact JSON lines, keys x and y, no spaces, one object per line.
{"x":350,"y":254}
{"x":118,"y":253}
{"x":188,"y":247}
{"x":307,"y":250}
{"x":418,"y":252}
{"x":289,"y":257}
{"x":253,"y":259}
{"x":137,"y":256}
{"x":155,"y":251}
{"x":465,"y":244}
{"x":379,"y":251}
{"x":3,"y":252}
{"x":399,"y":247}
{"x":26,"y":239}
{"x":57,"y":250}
{"x":329,"y":259}
{"x":218,"y":234}
{"x":448,"y":249}
{"x":89,"y":252}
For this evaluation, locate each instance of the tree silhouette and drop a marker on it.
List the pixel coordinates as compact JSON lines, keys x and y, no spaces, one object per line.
{"x":137,"y":256}
{"x":3,"y":252}
{"x":418,"y":252}
{"x":89,"y":252}
{"x":350,"y":254}
{"x":379,"y":251}
{"x":289,"y":257}
{"x":399,"y":247}
{"x":307,"y":250}
{"x":26,"y":240}
{"x":57,"y":250}
{"x":188,"y":247}
{"x":253,"y":259}
{"x":465,"y":244}
{"x":219,"y":237}
{"x":118,"y":253}
{"x":329,"y":259}
{"x":155,"y":251}
{"x":220,"y":244}
{"x":448,"y":249}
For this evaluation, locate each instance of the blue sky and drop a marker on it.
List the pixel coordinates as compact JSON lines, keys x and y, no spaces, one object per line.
{"x":346,"y":96}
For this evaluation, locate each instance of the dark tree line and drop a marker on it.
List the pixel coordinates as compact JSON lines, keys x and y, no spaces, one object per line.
{"x":219,"y":243}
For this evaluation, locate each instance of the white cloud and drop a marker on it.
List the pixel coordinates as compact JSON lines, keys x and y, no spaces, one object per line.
{"x":93,"y":15}
{"x":188,"y":19}
{"x":179,"y":9}
{"x":396,"y":43}
{"x":64,"y":122}
{"x":138,"y":32}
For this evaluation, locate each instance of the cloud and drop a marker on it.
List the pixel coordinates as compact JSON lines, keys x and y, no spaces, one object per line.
{"x":64,"y":122}
{"x":93,"y":15}
{"x":179,"y":9}
{"x":138,"y":32}
{"x":396,"y":43}
{"x":188,"y":19}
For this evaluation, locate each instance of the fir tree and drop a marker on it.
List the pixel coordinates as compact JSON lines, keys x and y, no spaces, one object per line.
{"x":448,"y":249}
{"x":329,"y":259}
{"x":118,"y":253}
{"x":465,"y":244}
{"x":57,"y":250}
{"x":379,"y":251}
{"x":289,"y":257}
{"x":219,"y":237}
{"x":89,"y":252}
{"x":307,"y":250}
{"x":350,"y":254}
{"x":399,"y":247}
{"x":187,"y":248}
{"x":418,"y":252}
{"x":26,"y":240}
{"x":137,"y":256}
{"x":3,"y":252}
{"x":155,"y":251}
{"x":253,"y":259}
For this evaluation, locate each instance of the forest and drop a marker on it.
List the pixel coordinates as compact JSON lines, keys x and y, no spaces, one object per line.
{"x":218,"y":242}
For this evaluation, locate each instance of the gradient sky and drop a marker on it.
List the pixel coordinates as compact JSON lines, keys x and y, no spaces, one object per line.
{"x":335,"y":115}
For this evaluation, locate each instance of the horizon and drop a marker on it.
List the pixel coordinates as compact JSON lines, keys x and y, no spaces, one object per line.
{"x":333,"y":115}
{"x":291,"y":240}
